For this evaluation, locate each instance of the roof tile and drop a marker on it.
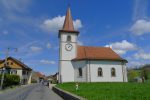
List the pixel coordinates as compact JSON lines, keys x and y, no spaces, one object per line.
{"x":96,"y":53}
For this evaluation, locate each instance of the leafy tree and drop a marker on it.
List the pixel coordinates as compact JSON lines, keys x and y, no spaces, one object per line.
{"x":132,"y":74}
{"x":146,"y":71}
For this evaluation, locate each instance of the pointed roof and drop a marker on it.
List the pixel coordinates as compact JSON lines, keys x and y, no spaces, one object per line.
{"x":68,"y":23}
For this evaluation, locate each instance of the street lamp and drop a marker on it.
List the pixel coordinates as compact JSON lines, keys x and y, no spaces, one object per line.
{"x":6,"y":67}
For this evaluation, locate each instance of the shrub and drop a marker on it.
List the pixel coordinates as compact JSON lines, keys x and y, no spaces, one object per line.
{"x":132,"y":74}
{"x":33,"y":81}
{"x":146,"y":72}
{"x":10,"y":80}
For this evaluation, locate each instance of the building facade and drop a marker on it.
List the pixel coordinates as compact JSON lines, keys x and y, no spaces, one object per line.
{"x":84,"y":63}
{"x":16,"y":67}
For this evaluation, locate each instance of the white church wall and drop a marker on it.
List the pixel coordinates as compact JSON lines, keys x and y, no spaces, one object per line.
{"x":68,"y":55}
{"x":106,"y":68}
{"x":66,"y":71}
{"x":77,"y":65}
{"x":64,"y":54}
{"x":63,"y":37}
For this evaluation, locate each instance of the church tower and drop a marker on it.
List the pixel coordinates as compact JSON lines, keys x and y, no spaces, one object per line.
{"x":67,"y":49}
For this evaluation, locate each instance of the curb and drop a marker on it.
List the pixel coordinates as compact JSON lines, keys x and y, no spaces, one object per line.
{"x":66,"y":95}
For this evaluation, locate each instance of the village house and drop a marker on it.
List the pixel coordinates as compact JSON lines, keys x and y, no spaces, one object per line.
{"x":14,"y":66}
{"x":37,"y":77}
{"x":87,"y":63}
{"x":53,"y":78}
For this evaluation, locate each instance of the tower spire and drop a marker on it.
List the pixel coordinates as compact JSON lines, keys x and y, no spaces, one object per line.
{"x":68,"y":23}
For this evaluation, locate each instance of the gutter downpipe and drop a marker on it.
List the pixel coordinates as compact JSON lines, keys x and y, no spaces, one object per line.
{"x":122,"y":63}
{"x":89,"y":70}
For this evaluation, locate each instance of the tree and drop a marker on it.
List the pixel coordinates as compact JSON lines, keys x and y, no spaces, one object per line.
{"x":132,"y":74}
{"x":146,"y":71}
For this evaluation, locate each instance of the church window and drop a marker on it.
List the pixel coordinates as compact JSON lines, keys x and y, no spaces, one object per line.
{"x":68,"y":38}
{"x":100,"y":72}
{"x":80,"y":71}
{"x":113,"y":72}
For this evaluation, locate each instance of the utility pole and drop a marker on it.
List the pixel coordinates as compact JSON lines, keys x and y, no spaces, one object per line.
{"x":5,"y":65}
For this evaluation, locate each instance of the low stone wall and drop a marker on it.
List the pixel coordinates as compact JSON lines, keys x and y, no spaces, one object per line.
{"x":66,"y":95}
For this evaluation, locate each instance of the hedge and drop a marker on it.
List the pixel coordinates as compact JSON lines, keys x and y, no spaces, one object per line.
{"x":10,"y":80}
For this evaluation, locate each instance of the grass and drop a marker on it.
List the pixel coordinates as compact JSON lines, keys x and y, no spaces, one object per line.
{"x":110,"y":91}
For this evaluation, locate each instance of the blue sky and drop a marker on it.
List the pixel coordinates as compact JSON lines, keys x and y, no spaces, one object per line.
{"x":32,"y":27}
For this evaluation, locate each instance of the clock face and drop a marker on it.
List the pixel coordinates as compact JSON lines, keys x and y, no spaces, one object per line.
{"x":69,"y":47}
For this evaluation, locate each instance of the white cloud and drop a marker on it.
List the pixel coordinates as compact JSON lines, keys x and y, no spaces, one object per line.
{"x":47,"y":62}
{"x":142,"y":55}
{"x":56,"y":23}
{"x":48,"y":45}
{"x":35,"y":49}
{"x":122,"y":47}
{"x":135,"y":63}
{"x":140,"y":27}
{"x":14,"y":5}
{"x":80,"y":42}
{"x":77,"y":24}
{"x":140,"y":8}
{"x":120,"y":52}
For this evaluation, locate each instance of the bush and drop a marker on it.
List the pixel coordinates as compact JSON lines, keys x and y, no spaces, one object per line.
{"x":132,"y":74}
{"x":33,"y":81}
{"x":10,"y":80}
{"x":146,"y":71}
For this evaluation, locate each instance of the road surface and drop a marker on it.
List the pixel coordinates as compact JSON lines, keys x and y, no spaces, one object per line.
{"x":30,"y":92}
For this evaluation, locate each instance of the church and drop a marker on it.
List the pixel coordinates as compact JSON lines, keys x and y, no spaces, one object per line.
{"x":85,"y":63}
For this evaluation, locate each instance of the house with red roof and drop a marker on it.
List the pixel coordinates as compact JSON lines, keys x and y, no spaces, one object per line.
{"x":85,"y":63}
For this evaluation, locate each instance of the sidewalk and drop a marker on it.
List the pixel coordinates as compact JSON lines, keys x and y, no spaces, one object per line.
{"x":51,"y":85}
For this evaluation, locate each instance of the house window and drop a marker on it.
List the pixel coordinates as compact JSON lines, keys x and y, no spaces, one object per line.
{"x":68,"y":38}
{"x":13,"y":72}
{"x":27,"y":73}
{"x":7,"y":63}
{"x":100,"y":72}
{"x":23,"y":72}
{"x":113,"y":72}
{"x":80,"y":72}
{"x":11,"y":63}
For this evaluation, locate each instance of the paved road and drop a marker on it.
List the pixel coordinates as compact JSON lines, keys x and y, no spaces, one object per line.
{"x":31,"y":92}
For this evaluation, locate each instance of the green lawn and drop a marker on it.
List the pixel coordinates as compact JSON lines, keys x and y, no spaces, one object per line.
{"x":110,"y":91}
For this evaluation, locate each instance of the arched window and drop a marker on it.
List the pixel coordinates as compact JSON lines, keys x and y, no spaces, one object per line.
{"x":80,"y":71}
{"x":68,"y":38}
{"x":113,"y":72}
{"x":100,"y":72}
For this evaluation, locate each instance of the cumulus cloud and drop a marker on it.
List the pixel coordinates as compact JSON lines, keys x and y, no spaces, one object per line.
{"x":47,"y":62}
{"x":48,"y":45}
{"x":35,"y":49}
{"x":122,"y":47}
{"x":56,"y":23}
{"x":142,"y":55}
{"x":80,"y":42}
{"x":140,"y":27}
